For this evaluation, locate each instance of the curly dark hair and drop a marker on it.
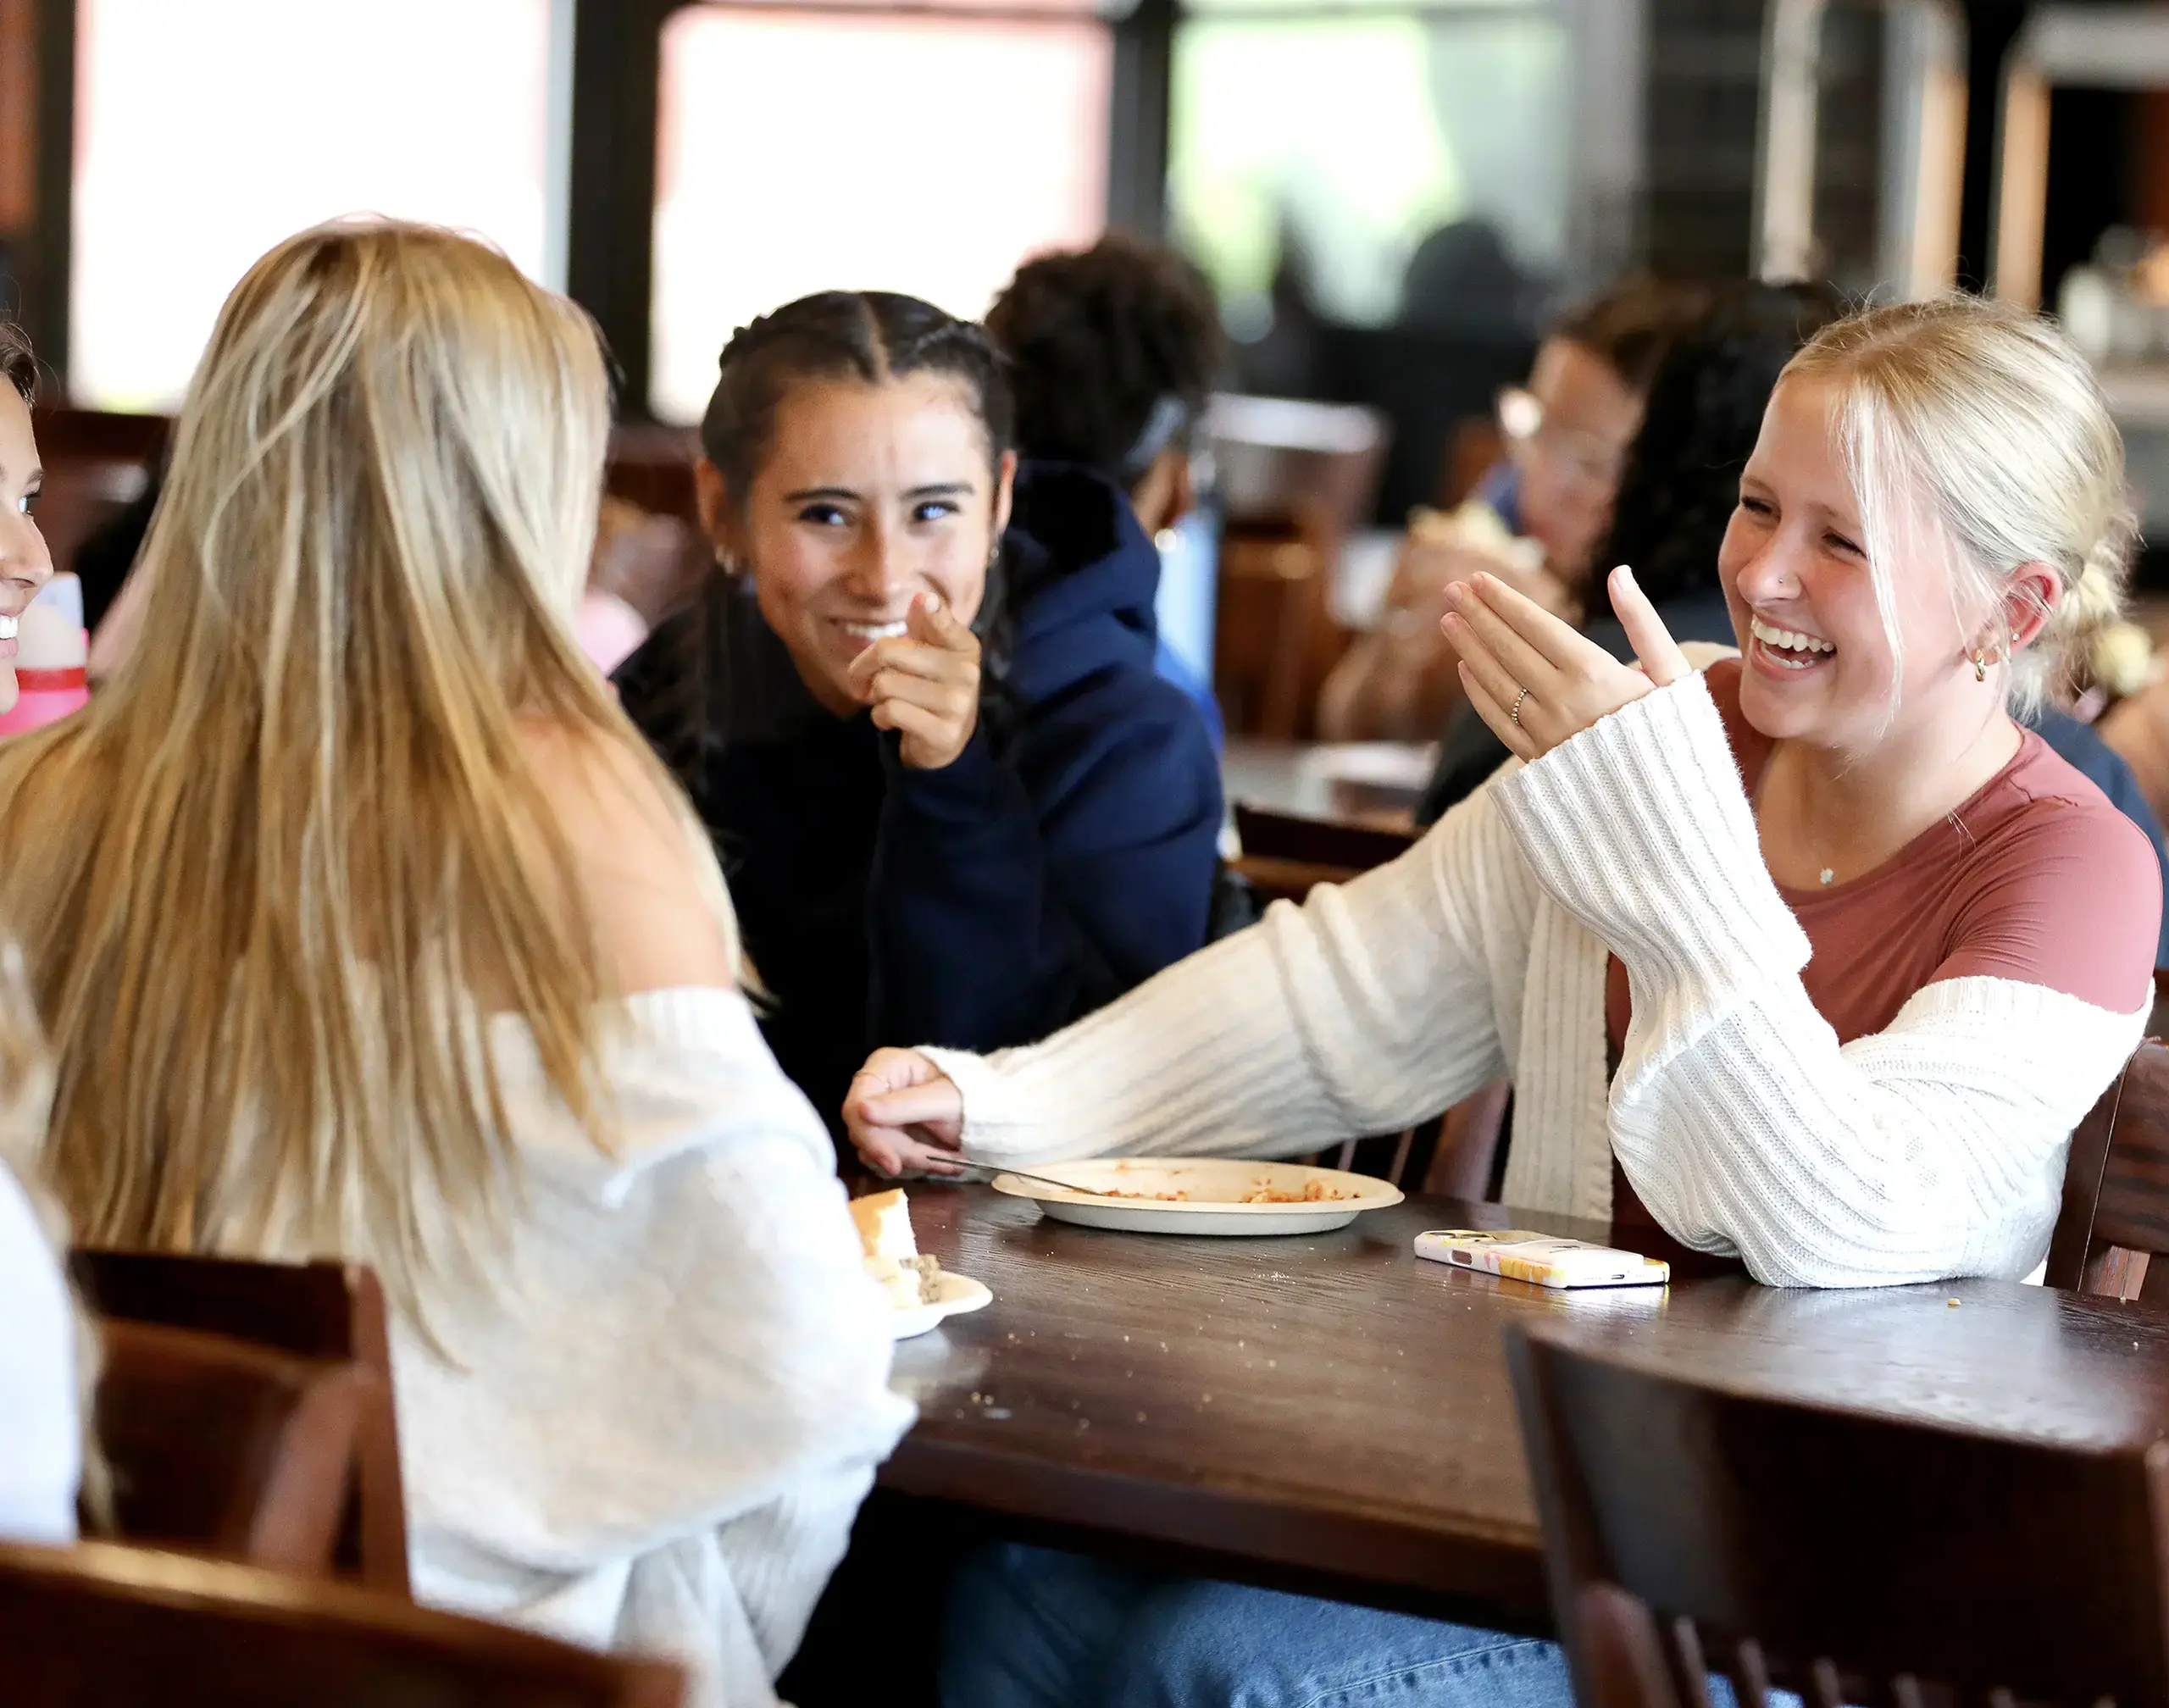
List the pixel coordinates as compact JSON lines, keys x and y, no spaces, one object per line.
{"x":1705,"y":402}
{"x":18,"y":366}
{"x":1105,"y":344}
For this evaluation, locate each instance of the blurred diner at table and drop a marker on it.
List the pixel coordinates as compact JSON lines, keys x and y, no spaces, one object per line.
{"x":1535,"y":518}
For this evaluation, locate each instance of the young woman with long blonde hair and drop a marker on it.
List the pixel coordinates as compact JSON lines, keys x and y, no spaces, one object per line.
{"x":365,"y":924}
{"x":1810,"y":961}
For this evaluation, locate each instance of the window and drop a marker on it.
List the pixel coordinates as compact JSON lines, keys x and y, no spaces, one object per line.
{"x":921,"y":151}
{"x":207,"y":132}
{"x":1343,"y":137}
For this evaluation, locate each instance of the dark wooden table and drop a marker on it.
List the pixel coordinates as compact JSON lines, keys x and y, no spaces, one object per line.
{"x":1331,"y":1413}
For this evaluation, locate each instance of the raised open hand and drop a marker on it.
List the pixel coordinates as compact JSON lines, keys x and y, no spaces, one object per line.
{"x":1535,"y":681}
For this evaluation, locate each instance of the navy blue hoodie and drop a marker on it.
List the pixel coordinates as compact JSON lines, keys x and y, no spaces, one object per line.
{"x":1065,"y":855}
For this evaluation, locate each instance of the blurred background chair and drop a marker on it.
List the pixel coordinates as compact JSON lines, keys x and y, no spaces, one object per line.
{"x":1294,"y":479}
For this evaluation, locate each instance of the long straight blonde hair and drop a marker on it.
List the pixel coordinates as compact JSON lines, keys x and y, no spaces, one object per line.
{"x":263,"y":880}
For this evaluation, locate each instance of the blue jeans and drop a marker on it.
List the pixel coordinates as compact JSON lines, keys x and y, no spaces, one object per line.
{"x":1030,"y":1628}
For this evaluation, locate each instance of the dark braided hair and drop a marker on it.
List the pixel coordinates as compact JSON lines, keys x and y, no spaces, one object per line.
{"x":1704,"y":410}
{"x":866,"y":335}
{"x":18,"y":366}
{"x":1101,"y":339}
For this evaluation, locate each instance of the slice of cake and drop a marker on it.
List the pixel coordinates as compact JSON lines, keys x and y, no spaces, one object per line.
{"x":892,"y":1254}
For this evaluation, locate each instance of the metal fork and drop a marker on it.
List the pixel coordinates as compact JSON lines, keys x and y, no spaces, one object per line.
{"x":988,"y":1170}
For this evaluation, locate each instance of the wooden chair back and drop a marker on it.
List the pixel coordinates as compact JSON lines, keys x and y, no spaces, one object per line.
{"x":330,"y":1311}
{"x":1293,"y":480}
{"x":2115,"y":1208}
{"x":226,"y":1449}
{"x":102,"y":1625}
{"x":1852,"y":1558}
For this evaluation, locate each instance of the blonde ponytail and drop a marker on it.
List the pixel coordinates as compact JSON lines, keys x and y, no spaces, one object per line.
{"x":2069,"y":653}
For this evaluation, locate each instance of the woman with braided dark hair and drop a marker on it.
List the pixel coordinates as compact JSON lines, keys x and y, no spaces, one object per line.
{"x":954,"y":801}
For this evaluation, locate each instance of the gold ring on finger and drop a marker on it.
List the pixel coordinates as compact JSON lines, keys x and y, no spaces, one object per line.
{"x":1514,"y":717}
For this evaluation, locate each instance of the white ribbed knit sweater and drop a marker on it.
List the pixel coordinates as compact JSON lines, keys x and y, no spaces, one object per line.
{"x":1935,"y":1148}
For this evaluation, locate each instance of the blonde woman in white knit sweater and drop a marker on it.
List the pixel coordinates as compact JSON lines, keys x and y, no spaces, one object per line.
{"x":1864,"y":950}
{"x":364,"y":924}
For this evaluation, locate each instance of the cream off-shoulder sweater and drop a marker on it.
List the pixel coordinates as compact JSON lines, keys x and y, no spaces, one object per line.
{"x":1934,"y":1148}
{"x":651,"y":1425}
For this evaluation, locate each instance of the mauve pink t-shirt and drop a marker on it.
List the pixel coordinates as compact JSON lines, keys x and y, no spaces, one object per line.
{"x":2037,"y":878}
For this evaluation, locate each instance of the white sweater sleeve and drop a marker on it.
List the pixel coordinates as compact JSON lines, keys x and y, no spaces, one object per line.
{"x":40,"y":1425}
{"x":657,"y":1429}
{"x":1932,"y":1149}
{"x":1366,"y":1009}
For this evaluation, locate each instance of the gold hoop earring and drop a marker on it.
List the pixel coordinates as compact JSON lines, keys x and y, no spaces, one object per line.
{"x":1980,"y":666}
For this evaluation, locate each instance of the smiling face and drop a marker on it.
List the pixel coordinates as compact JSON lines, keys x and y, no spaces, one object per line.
{"x":869,"y":495}
{"x":1818,"y":661}
{"x":25,"y":566}
{"x":1570,"y":466}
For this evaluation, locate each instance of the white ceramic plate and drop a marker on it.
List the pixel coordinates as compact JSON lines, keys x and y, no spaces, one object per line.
{"x":953,"y":1295}
{"x":1214,"y":1188}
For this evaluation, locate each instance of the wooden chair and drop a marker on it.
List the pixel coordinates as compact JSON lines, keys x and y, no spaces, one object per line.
{"x":107,"y":1626}
{"x":1294,"y":478}
{"x":322,"y":1310}
{"x":1853,"y":1558}
{"x":2115,"y":1209}
{"x":226,"y":1449}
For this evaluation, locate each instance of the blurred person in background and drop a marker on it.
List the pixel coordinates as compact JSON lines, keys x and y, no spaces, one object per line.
{"x":1679,"y":487}
{"x":954,"y":798}
{"x":366,"y":927}
{"x":1112,"y":354}
{"x":1533,"y":520}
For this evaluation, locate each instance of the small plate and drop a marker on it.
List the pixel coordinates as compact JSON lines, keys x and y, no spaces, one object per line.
{"x":1216,"y":1186}
{"x":953,"y":1295}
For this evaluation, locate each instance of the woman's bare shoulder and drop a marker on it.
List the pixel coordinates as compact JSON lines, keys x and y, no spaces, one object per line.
{"x":646,"y":875}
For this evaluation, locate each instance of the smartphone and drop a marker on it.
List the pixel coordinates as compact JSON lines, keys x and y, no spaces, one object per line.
{"x":1541,"y":1259}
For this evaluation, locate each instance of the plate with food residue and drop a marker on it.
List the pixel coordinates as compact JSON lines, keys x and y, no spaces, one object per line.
{"x":1200,"y":1195}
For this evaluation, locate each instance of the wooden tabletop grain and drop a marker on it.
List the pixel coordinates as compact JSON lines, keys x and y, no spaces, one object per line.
{"x":1330,"y":1412}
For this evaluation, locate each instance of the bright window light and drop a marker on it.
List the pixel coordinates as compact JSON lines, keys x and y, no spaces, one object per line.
{"x":808,"y":152}
{"x":207,"y":132}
